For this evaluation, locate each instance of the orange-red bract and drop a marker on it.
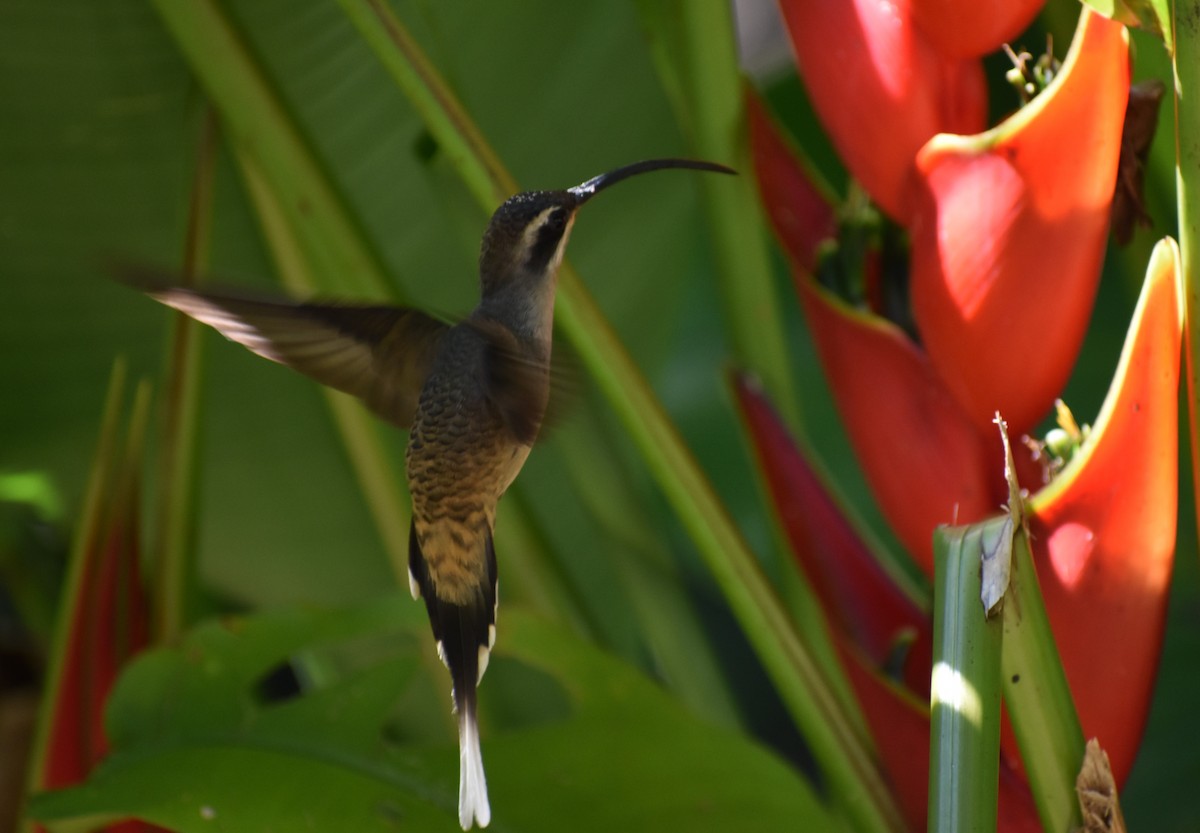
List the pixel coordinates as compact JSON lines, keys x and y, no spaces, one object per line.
{"x":1103,"y":534}
{"x":857,"y":595}
{"x":1009,"y":232}
{"x":108,"y":622}
{"x":108,"y":625}
{"x":802,"y":215}
{"x":881,"y":90}
{"x":926,"y":463}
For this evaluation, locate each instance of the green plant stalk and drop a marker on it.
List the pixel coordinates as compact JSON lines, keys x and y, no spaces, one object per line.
{"x":177,"y":494}
{"x":712,"y":89}
{"x":665,"y":612}
{"x":1038,"y":697}
{"x":1039,"y":700}
{"x":91,"y":519}
{"x":125,"y":502}
{"x":253,"y":115}
{"x":1186,"y":26}
{"x":696,"y":53}
{"x":846,"y":762}
{"x":459,"y":139}
{"x":964,"y":740}
{"x":385,"y":492}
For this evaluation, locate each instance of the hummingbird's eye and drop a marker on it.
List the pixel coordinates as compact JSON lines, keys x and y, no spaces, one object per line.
{"x":549,"y":235}
{"x":557,"y":221}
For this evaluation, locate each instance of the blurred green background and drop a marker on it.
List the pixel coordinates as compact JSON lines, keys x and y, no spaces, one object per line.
{"x":99,"y":124}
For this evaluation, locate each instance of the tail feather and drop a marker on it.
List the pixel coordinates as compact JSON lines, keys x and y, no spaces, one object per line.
{"x":472,"y":783}
{"x":464,"y":634}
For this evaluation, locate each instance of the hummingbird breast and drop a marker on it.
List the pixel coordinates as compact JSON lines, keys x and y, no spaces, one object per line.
{"x":461,"y":457}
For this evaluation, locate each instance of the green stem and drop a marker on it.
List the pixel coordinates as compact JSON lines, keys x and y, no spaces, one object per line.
{"x":1186,"y":28}
{"x":177,"y":495}
{"x":712,"y":88}
{"x":1038,"y":697}
{"x":1036,"y":692}
{"x":965,"y":691}
{"x":384,"y":491}
{"x":666,"y":613}
{"x":459,"y":140}
{"x":254,"y":115}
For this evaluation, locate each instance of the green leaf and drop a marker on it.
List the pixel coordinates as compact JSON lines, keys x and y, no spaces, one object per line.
{"x":196,"y":743}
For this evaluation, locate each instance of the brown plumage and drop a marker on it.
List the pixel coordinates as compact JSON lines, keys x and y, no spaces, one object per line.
{"x":473,"y":395}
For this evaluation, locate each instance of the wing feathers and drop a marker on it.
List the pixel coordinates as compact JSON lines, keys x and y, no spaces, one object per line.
{"x":378,"y":353}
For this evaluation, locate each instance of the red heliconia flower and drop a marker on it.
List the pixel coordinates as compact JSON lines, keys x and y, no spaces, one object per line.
{"x":1009,"y":231}
{"x":1008,"y":234}
{"x":108,"y":622}
{"x":968,"y":30}
{"x":925,"y":461}
{"x":856,"y":593}
{"x":1103,"y":533}
{"x":802,"y":215}
{"x":1103,"y":539}
{"x":881,"y":90}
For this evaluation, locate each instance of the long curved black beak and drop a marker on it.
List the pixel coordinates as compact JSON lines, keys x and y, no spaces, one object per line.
{"x":596,"y":184}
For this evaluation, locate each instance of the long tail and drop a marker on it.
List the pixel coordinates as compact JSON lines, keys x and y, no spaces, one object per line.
{"x":472,"y":783}
{"x":464,"y":635}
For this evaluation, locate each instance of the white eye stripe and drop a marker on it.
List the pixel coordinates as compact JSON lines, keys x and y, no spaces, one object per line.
{"x":534,"y":228}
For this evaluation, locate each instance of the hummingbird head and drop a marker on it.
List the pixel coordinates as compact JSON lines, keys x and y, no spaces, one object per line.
{"x":524,"y":242}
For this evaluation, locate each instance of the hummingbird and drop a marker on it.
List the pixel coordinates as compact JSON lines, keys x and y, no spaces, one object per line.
{"x":472,"y":395}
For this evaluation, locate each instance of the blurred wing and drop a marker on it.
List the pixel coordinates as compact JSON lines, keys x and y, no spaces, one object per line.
{"x":517,"y":381}
{"x":380,"y":354}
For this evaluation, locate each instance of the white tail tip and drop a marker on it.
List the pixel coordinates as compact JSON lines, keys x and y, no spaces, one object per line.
{"x":473,"y":804}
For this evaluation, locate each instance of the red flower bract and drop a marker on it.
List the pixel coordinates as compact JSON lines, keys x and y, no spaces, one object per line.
{"x":1103,"y":534}
{"x":1009,"y":233}
{"x":926,"y":463}
{"x":881,"y":90}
